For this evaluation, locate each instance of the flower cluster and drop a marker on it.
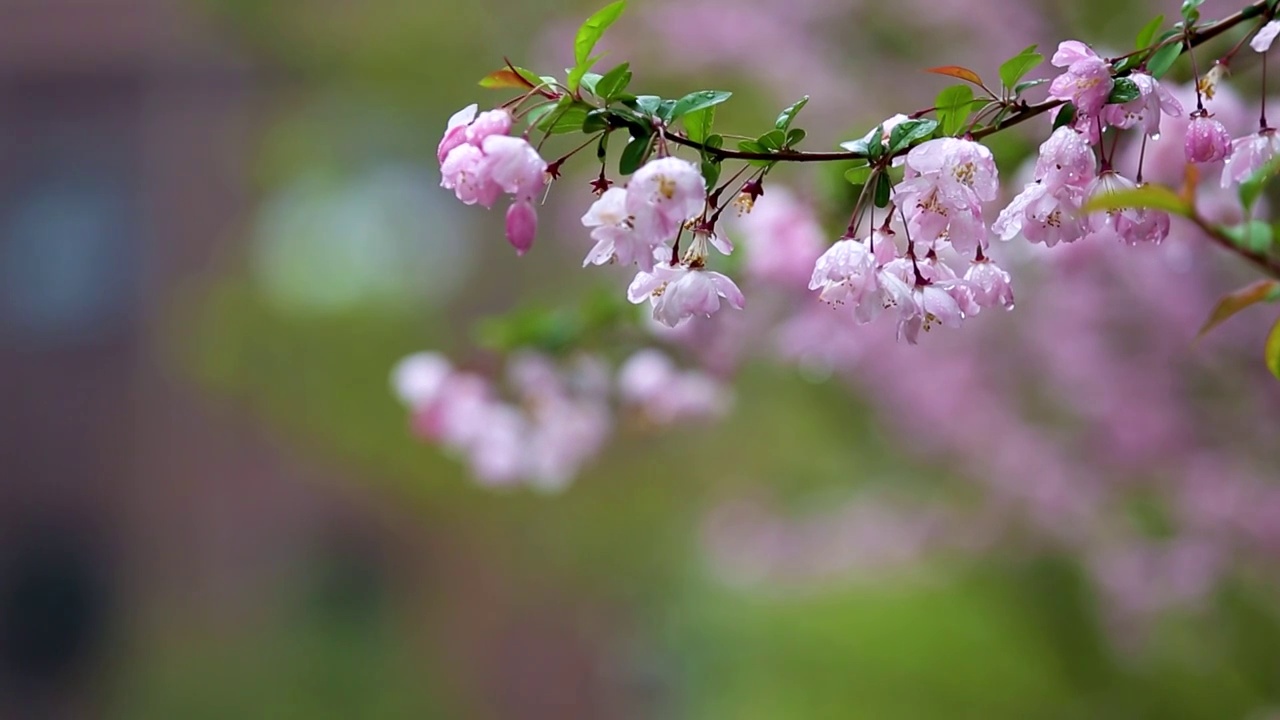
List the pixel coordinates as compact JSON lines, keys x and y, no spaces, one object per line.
{"x":479,"y":162}
{"x":634,"y":226}
{"x":561,"y":417}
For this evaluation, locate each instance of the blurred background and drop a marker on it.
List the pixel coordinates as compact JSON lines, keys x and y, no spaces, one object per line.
{"x":220,"y":227}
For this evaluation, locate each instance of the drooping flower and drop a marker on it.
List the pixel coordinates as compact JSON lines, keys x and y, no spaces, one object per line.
{"x":946,"y":182}
{"x":846,"y":275}
{"x":663,"y":194}
{"x":1144,"y":111}
{"x":615,"y":233}
{"x":514,"y":165}
{"x":455,"y":133}
{"x":489,"y":122}
{"x":931,"y":306}
{"x":1129,"y":225}
{"x":1207,"y":140}
{"x":1265,"y":37}
{"x":678,"y":292}
{"x":1043,"y":216}
{"x":1065,"y":159}
{"x":1250,"y":154}
{"x":465,"y":173}
{"x":989,"y":284}
{"x":1087,"y":80}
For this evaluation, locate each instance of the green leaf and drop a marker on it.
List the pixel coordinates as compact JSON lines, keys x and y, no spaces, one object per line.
{"x":697,"y":101}
{"x":634,"y":153}
{"x":1148,"y":32}
{"x":1252,"y":294}
{"x":536,"y":115}
{"x":795,"y":136}
{"x":772,"y":141}
{"x":593,"y":29}
{"x":613,"y":83}
{"x":596,"y":121}
{"x":1272,"y":350}
{"x":648,"y":104}
{"x":1123,"y":91}
{"x":569,"y":117}
{"x":1254,"y":235}
{"x":711,"y":173}
{"x":588,"y":81}
{"x":1190,"y":11}
{"x":875,"y":145}
{"x":1156,"y":197}
{"x":1013,"y":69}
{"x":509,"y":78}
{"x":697,"y":124}
{"x":1163,"y":59}
{"x":714,"y":141}
{"x":952,"y":107}
{"x":883,"y":189}
{"x":858,"y":175}
{"x":1065,"y":116}
{"x":784,"y":120}
{"x":750,"y":146}
{"x":908,"y":131}
{"x":1026,"y":85}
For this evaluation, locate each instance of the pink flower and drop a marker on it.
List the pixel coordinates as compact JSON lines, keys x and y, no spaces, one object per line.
{"x":465,"y":173}
{"x":522,"y":225}
{"x":1207,"y":140}
{"x":846,"y":275}
{"x":1249,"y":155}
{"x":1144,"y":111}
{"x":649,"y":381}
{"x":513,"y":165}
{"x":990,"y":284}
{"x":931,"y":306}
{"x":1267,"y":35}
{"x":456,"y":133}
{"x":942,"y":193}
{"x":489,"y":122}
{"x":1087,"y":81}
{"x":419,"y":378}
{"x":1043,"y":216}
{"x":663,"y":194}
{"x":615,"y":234}
{"x":1129,"y":225}
{"x":680,"y":292}
{"x":1066,"y":158}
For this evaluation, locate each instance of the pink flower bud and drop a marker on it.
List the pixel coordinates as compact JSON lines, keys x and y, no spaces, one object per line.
{"x":1207,"y":140}
{"x":522,"y":225}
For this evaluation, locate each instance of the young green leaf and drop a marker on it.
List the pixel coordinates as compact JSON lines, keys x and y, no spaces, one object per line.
{"x":795,"y":136}
{"x":648,"y":104}
{"x":569,"y":117}
{"x":697,"y":101}
{"x":785,"y":119}
{"x":1016,"y":67}
{"x":588,"y":81}
{"x":1255,"y":235}
{"x":613,"y":83}
{"x":1123,"y":91}
{"x":908,"y":131}
{"x":1148,"y":32}
{"x":634,"y":154}
{"x":1065,"y":116}
{"x":697,"y":124}
{"x":1251,"y":189}
{"x":508,"y":78}
{"x":1026,"y":85}
{"x":875,"y":146}
{"x":595,"y":121}
{"x":711,"y":173}
{"x":1163,"y":59}
{"x":883,"y":189}
{"x":772,"y":141}
{"x":858,"y":175}
{"x":1191,"y":11}
{"x":1252,"y":294}
{"x":952,"y":107}
{"x":593,"y":29}
{"x":1156,"y":197}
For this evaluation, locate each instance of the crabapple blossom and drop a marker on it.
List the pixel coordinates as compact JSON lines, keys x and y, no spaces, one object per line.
{"x":1144,"y":111}
{"x":650,"y":382}
{"x":945,"y":184}
{"x":455,"y":133}
{"x":846,"y":275}
{"x":1129,"y":225}
{"x":782,"y":239}
{"x":1207,"y":140}
{"x":1087,"y":80}
{"x":1250,"y":154}
{"x":1065,"y":159}
{"x":678,"y":292}
{"x":522,"y":225}
{"x":514,"y":165}
{"x":664,"y":194}
{"x":1042,"y":215}
{"x":489,"y":122}
{"x":615,"y":234}
{"x":989,"y":284}
{"x":465,"y":173}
